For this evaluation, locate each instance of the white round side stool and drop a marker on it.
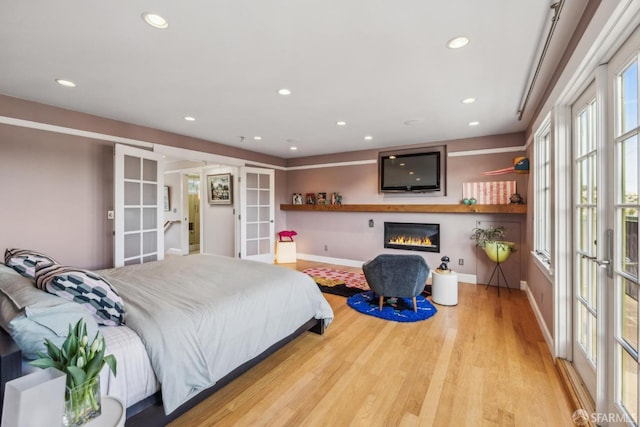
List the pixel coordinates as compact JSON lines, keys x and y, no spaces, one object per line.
{"x":113,"y":413}
{"x":444,"y":288}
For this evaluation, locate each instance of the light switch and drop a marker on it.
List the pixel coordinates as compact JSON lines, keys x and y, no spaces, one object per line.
{"x":110,"y":215}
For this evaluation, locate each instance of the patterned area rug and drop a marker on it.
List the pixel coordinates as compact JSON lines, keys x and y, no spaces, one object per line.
{"x":396,"y":309}
{"x":336,"y":282}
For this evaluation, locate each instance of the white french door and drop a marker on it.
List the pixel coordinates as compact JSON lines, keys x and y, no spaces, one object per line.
{"x":138,"y":190}
{"x":587,"y":278}
{"x":257,"y":200}
{"x":624,"y":212}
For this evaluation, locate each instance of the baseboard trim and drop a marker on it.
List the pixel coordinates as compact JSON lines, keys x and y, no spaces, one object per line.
{"x":465,"y":278}
{"x":575,"y":388}
{"x":329,"y":260}
{"x":548,"y":338}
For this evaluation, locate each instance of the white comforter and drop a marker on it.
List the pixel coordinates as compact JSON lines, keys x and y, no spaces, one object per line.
{"x":201,"y":316}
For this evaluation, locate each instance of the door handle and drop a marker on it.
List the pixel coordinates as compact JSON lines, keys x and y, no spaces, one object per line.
{"x":601,"y":262}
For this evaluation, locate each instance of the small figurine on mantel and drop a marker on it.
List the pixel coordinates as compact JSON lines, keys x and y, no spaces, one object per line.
{"x":444,"y":268}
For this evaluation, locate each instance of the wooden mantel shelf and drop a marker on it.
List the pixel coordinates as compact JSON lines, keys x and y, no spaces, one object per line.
{"x":492,"y":209}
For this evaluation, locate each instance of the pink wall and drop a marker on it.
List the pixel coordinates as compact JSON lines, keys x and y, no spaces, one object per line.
{"x":55,"y":195}
{"x":347,"y":235}
{"x":68,"y":220}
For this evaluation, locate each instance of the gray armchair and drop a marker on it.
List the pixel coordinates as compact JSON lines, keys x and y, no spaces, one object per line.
{"x":401,"y":276}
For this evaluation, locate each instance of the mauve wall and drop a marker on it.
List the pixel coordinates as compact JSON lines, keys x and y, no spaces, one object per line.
{"x":55,"y":195}
{"x":57,"y":188}
{"x":347,"y":235}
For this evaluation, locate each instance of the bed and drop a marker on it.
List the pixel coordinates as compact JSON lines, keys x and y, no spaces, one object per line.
{"x":191,"y":325}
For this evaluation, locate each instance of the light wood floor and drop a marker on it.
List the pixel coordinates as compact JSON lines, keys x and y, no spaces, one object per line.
{"x":483,"y":362}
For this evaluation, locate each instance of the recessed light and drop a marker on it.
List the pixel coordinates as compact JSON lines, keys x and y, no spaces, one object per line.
{"x":411,"y":172}
{"x":155,"y":20}
{"x":257,"y":138}
{"x":392,"y":158}
{"x":368,"y":138}
{"x":474,"y":123}
{"x":457,"y":42}
{"x":190,"y":118}
{"x":468,"y":100}
{"x":341,"y":123}
{"x":284,"y":91}
{"x":293,"y":148}
{"x":67,"y":83}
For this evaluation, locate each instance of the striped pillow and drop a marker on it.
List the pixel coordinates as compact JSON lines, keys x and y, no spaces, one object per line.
{"x":85,"y":287}
{"x":24,"y":261}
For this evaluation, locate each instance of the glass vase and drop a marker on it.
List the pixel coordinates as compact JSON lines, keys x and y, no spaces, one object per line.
{"x":82,"y":403}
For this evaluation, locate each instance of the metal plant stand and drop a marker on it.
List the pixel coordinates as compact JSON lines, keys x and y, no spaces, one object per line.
{"x":498,"y":269}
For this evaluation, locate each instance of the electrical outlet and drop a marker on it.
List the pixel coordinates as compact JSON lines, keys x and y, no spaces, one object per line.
{"x":371,"y":223}
{"x":110,"y":215}
{"x":460,"y":261}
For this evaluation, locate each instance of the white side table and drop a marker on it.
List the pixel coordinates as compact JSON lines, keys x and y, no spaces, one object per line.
{"x":285,"y":252}
{"x":444,"y":288}
{"x":113,"y":413}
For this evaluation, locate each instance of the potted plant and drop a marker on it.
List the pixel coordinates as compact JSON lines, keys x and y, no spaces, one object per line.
{"x":490,"y":240}
{"x":82,"y":361}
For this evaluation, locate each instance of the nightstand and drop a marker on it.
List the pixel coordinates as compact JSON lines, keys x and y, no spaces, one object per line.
{"x":113,"y":413}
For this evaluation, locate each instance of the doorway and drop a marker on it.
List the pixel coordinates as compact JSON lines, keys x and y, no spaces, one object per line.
{"x":193,"y":210}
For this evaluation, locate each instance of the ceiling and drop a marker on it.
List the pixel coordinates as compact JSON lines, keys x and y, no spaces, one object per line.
{"x":383,"y":67}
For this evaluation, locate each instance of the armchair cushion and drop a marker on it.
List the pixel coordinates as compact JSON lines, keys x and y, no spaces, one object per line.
{"x":401,"y":276}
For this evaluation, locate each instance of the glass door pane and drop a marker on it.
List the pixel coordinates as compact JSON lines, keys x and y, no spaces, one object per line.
{"x":138,"y":183}
{"x":585,"y":233}
{"x":257,"y":207}
{"x":625,"y":212}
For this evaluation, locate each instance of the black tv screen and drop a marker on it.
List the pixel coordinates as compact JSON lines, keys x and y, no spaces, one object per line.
{"x":413,"y":172}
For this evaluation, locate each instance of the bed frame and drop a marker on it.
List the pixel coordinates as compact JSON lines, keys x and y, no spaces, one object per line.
{"x":150,"y":412}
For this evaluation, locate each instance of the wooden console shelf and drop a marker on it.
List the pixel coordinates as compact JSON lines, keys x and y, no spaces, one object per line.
{"x":492,"y":209}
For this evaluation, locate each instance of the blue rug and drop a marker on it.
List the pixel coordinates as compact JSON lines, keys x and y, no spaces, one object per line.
{"x":397,"y":309}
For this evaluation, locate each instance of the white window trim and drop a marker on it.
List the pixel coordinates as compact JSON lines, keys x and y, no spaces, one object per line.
{"x":543,"y":158}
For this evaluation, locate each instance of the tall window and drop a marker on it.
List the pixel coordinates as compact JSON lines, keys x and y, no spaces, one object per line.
{"x":543,"y":218}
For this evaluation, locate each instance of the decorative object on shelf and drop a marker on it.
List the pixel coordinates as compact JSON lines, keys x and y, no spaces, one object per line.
{"x":286,"y":234}
{"x":498,"y":251}
{"x":444,"y":267}
{"x":473,"y":201}
{"x":297,"y":199}
{"x":310,"y":198}
{"x":516,"y":199}
{"x":82,"y":361}
{"x":322,"y":199}
{"x":466,"y":201}
{"x":220,"y":189}
{"x":489,"y":193}
{"x":336,"y":199}
{"x":520,"y":165}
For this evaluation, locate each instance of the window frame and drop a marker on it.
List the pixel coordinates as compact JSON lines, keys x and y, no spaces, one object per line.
{"x":543,"y":218}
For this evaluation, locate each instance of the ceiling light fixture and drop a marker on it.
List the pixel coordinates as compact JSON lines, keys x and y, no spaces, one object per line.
{"x":293,"y":148}
{"x":257,"y":138}
{"x":368,"y":138}
{"x":468,"y":100}
{"x":474,"y":123}
{"x":457,"y":42}
{"x":341,"y":123}
{"x":155,"y":20}
{"x":284,"y":92}
{"x":67,"y":83}
{"x":190,"y":118}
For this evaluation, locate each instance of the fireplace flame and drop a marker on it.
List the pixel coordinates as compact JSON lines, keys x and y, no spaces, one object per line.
{"x":410,"y":241}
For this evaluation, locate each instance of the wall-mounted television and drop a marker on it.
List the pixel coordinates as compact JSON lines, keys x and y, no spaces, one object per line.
{"x":417,"y":170}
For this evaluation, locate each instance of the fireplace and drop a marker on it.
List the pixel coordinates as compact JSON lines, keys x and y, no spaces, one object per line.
{"x":412,"y":236}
